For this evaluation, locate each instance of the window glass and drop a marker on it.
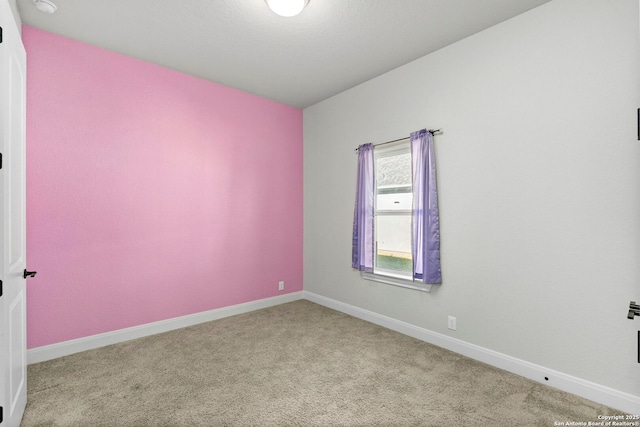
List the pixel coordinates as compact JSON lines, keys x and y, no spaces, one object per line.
{"x":393,"y":210}
{"x":394,"y":243}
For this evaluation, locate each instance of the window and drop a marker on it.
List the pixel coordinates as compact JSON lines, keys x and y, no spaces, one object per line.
{"x":392,"y":210}
{"x":396,"y":232}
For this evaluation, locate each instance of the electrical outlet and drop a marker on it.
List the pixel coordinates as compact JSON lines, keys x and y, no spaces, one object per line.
{"x":281,"y":286}
{"x":452,"y":323}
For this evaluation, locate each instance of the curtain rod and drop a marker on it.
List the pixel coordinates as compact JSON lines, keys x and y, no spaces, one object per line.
{"x":431,"y":131}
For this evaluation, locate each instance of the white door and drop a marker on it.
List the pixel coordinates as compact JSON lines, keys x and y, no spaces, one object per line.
{"x":13,"y":338}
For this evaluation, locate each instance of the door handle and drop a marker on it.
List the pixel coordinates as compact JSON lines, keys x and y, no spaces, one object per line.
{"x":29,"y":273}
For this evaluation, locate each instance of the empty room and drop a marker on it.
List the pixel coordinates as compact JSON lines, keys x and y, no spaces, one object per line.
{"x":320,"y":212}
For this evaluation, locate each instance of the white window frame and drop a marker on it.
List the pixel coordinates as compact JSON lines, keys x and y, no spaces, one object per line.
{"x":382,"y":275}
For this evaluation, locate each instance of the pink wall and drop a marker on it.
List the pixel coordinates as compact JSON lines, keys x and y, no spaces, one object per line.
{"x":151,"y":194}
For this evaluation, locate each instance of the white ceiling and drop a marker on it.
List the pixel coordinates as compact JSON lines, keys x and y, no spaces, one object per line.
{"x":332,"y":46}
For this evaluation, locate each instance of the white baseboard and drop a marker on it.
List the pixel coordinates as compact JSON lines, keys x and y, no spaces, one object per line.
{"x":595,"y":392}
{"x":53,"y":351}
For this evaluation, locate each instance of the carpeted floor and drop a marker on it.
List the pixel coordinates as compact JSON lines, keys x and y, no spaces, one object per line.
{"x":297,"y":364}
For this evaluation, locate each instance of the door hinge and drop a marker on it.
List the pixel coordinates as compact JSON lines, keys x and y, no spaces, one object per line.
{"x":0,"y":42}
{"x":0,"y":414}
{"x":0,"y":160}
{"x":0,"y":288}
{"x":634,"y":310}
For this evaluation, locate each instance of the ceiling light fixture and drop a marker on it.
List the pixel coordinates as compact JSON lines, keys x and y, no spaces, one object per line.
{"x":45,"y":6}
{"x":287,"y":8}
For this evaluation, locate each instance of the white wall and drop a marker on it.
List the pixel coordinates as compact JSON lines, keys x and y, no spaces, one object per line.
{"x":16,"y":14}
{"x":539,"y":188}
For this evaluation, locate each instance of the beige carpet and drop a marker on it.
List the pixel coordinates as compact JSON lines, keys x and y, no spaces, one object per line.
{"x":297,"y":364}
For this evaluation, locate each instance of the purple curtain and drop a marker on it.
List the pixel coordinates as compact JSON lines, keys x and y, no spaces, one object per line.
{"x":362,"y":243}
{"x":426,"y":223}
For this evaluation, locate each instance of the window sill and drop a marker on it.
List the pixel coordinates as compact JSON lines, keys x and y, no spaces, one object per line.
{"x":397,"y":281}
